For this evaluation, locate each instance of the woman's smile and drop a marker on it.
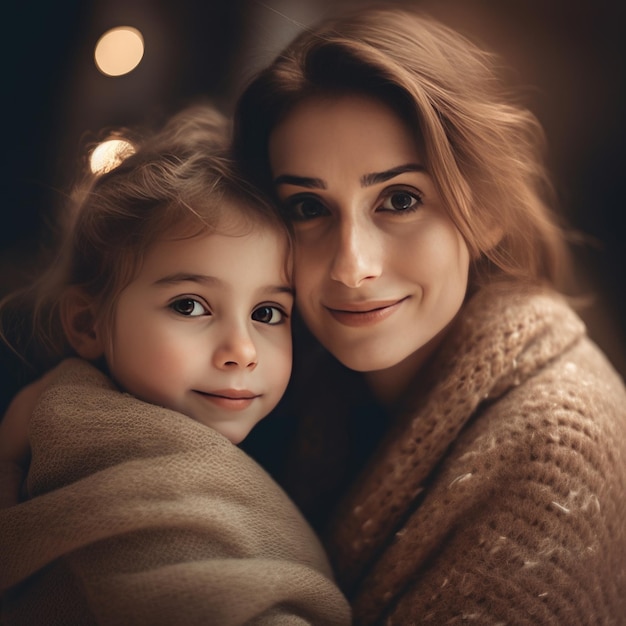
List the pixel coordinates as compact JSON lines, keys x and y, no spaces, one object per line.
{"x":364,"y":313}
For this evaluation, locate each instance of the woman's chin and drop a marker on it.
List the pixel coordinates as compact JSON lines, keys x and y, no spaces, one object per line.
{"x":368,"y":361}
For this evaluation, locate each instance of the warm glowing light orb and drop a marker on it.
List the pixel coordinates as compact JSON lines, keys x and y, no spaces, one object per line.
{"x":107,"y":155}
{"x":119,"y":51}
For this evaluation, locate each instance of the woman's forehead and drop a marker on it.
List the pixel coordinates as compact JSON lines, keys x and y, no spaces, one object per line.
{"x":337,"y":130}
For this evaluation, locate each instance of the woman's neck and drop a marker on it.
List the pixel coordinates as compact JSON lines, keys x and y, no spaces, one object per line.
{"x":390,"y":384}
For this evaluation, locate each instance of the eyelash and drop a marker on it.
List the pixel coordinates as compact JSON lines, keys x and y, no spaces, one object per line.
{"x":414,"y":194}
{"x":281,"y":312}
{"x":205,"y":310}
{"x":188,"y":299}
{"x":292,"y":208}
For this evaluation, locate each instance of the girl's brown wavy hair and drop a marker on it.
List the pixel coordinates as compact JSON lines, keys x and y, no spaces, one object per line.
{"x":180,"y":182}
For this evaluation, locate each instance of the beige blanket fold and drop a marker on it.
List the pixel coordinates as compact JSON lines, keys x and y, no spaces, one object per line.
{"x":140,"y":515}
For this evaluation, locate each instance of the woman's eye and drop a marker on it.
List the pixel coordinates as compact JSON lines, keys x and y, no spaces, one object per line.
{"x":301,"y":209}
{"x":268,"y":315}
{"x":401,"y":201}
{"x":188,"y":307}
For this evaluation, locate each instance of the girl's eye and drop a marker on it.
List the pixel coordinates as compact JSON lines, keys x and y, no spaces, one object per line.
{"x":401,"y":201}
{"x":189,"y":307}
{"x":304,"y":208}
{"x":268,"y":315}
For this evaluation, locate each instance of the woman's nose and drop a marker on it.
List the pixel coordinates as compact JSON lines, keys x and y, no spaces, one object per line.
{"x":235,"y":350}
{"x":357,"y":256}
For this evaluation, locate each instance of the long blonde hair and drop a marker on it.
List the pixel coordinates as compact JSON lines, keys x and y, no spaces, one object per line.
{"x":483,"y":150}
{"x":179,"y":182}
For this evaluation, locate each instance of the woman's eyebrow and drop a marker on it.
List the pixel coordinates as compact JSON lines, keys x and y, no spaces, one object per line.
{"x":380,"y":177}
{"x":367,"y":180}
{"x":300,"y":181}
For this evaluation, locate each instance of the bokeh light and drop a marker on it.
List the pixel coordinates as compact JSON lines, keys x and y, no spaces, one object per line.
{"x":119,"y":51}
{"x":108,"y":154}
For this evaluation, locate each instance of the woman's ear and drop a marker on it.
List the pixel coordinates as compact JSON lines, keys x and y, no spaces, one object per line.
{"x":79,"y":323}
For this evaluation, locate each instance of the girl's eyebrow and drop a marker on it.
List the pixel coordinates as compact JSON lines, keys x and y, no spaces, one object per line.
{"x":367,"y":180}
{"x":278,"y":289}
{"x":181,"y":277}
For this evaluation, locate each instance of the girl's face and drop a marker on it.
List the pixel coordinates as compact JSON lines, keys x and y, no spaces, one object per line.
{"x":204,"y":329}
{"x":381,"y":270}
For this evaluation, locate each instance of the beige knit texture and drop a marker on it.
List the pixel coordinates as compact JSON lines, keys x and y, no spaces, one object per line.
{"x":141,"y":515}
{"x":500,"y":496}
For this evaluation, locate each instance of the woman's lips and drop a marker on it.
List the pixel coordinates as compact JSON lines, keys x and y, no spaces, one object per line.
{"x":231,"y":399}
{"x":364,"y":313}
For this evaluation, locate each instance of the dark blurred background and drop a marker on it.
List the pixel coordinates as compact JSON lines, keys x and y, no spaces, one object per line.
{"x":568,"y":56}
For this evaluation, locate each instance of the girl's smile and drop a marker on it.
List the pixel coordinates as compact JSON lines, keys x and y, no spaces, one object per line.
{"x":231,"y":399}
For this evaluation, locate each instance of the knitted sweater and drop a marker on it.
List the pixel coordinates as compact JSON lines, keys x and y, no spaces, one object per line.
{"x":140,"y":515}
{"x":498,"y":493}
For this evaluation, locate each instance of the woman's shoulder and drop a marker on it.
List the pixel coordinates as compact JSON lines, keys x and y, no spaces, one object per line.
{"x":545,"y":385}
{"x":507,"y":333}
{"x":514,"y":318}
{"x":564,"y":422}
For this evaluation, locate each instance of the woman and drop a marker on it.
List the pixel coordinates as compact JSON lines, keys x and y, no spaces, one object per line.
{"x":466,"y":457}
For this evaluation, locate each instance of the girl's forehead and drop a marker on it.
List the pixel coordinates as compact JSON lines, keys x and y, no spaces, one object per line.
{"x":226,"y":227}
{"x":219,"y":252}
{"x":220,"y":215}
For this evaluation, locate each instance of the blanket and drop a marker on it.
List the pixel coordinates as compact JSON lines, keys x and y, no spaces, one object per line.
{"x":138,"y":514}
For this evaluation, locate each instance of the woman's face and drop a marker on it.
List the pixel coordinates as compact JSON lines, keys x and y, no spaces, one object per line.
{"x":381,"y":270}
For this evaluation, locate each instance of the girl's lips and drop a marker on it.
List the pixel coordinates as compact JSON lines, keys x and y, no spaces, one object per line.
{"x":231,"y":399}
{"x":366,"y":313}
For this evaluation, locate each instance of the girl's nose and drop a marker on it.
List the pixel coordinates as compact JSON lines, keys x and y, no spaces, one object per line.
{"x":236,"y":350}
{"x":357,"y":256}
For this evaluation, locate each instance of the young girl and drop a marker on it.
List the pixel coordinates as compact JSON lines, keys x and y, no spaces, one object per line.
{"x":174,"y":291}
{"x":461,"y":442}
